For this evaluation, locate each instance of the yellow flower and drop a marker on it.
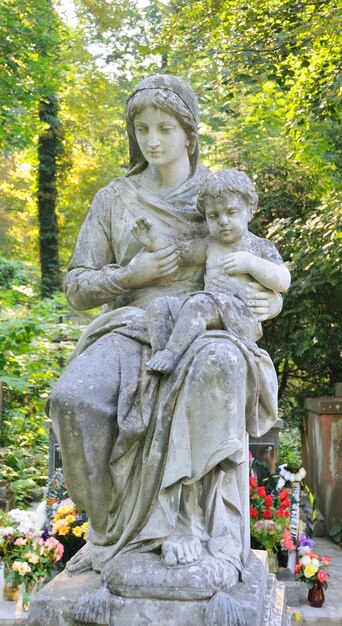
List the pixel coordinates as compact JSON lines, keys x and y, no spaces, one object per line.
{"x":77,"y":531}
{"x":27,"y":555}
{"x":63,"y":529}
{"x":70,"y":519}
{"x":63,"y":510}
{"x":84,"y":528}
{"x":297,"y":616}
{"x":15,"y":566}
{"x":310,"y":571}
{"x":59,"y":524}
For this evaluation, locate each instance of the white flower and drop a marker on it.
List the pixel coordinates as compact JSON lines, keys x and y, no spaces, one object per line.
{"x":7,"y":530}
{"x":315,"y":563}
{"x":34,"y":559}
{"x":302,"y":550}
{"x":305,"y":560}
{"x":26,"y":520}
{"x":23,"y":568}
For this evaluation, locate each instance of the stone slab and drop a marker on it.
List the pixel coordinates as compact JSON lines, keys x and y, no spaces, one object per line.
{"x":260,"y":595}
{"x":324,"y":406}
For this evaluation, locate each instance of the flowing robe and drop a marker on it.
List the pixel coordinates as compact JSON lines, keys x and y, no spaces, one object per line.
{"x":145,"y":454}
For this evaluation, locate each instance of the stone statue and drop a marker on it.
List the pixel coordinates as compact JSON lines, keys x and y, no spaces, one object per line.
{"x":233,"y":255}
{"x":154,"y":460}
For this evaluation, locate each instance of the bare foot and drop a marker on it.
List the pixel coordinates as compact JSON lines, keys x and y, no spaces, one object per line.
{"x":163,"y":361}
{"x":80,"y":562}
{"x":146,"y":233}
{"x":182,"y":551}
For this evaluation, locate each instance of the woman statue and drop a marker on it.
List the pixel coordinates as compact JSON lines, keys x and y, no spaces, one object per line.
{"x":153,"y":459}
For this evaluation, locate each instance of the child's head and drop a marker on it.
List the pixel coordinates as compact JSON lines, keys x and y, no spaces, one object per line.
{"x":227,"y":200}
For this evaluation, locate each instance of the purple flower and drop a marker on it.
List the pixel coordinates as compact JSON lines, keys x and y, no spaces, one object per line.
{"x":304,"y":540}
{"x":46,"y":532}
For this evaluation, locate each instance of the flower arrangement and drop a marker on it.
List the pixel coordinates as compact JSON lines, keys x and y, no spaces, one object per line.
{"x":67,"y":521}
{"x":27,"y":556}
{"x":269,"y":516}
{"x":311,"y":568}
{"x":70,"y":528}
{"x":33,"y":557}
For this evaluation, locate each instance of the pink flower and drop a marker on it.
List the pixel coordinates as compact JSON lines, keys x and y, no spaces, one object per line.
{"x":322,"y":575}
{"x":326,"y":560}
{"x":20,"y":541}
{"x":29,"y":535}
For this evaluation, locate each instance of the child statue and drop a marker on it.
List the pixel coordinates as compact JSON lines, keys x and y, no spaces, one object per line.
{"x":233,"y":256}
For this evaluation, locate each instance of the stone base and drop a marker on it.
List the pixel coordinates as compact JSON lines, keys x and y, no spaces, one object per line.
{"x":258,"y":601}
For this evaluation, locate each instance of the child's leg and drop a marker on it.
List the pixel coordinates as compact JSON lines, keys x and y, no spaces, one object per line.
{"x":197,"y":314}
{"x":160,"y":321}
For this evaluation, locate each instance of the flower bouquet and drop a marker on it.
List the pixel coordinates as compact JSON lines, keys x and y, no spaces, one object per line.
{"x":33,"y":560}
{"x":27,"y":556}
{"x":70,"y":528}
{"x":269,"y":517}
{"x":311,"y":568}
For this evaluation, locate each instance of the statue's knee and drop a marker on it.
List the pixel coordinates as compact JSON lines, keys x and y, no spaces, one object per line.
{"x":225,"y":358}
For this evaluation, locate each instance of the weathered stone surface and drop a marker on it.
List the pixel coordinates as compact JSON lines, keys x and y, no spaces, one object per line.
{"x":322,"y":455}
{"x":260,"y":599}
{"x":153,"y":412}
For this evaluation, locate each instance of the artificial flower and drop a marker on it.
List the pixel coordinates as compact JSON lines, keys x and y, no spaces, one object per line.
{"x":322,"y":575}
{"x":310,"y":571}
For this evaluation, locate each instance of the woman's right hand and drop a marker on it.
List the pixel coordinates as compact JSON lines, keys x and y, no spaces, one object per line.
{"x":145,"y":267}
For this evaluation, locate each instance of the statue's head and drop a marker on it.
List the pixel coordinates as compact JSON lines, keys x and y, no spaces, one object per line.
{"x":175,"y":97}
{"x":232,"y":181}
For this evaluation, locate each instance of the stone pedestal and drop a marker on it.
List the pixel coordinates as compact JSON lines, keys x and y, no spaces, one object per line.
{"x":322,"y":455}
{"x":258,"y":601}
{"x":266,"y":448}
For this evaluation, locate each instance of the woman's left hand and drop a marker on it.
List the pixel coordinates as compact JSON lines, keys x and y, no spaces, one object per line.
{"x":264,"y":303}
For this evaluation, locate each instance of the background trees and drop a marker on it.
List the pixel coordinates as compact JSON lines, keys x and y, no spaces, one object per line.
{"x":268,"y":78}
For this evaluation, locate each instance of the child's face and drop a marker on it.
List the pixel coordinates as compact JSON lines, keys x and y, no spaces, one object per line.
{"x":227,"y":217}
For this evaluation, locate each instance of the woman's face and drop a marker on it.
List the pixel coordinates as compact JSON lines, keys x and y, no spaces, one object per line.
{"x":161,"y":138}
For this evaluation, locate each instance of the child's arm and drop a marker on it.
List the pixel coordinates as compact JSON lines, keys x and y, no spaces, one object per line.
{"x":192,"y":251}
{"x":270,"y":275}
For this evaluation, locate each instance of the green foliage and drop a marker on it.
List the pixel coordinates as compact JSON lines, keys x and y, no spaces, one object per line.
{"x":29,"y":66}
{"x":290,"y":447}
{"x":335,"y":533}
{"x":30,"y":362}
{"x":268,"y":79}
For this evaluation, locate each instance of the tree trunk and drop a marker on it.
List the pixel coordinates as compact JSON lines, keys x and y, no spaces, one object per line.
{"x":48,"y":147}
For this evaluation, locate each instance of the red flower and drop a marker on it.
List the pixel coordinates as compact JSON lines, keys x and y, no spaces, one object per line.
{"x":286,"y":513}
{"x":253,"y":512}
{"x":282,"y":495}
{"x":253,"y":482}
{"x":297,"y":568}
{"x":279,"y":513}
{"x":268,"y":500}
{"x":262,"y":492}
{"x":285,"y":504}
{"x":267,"y":514}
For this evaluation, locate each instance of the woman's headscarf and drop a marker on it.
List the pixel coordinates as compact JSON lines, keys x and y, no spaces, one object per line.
{"x":174,"y":96}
